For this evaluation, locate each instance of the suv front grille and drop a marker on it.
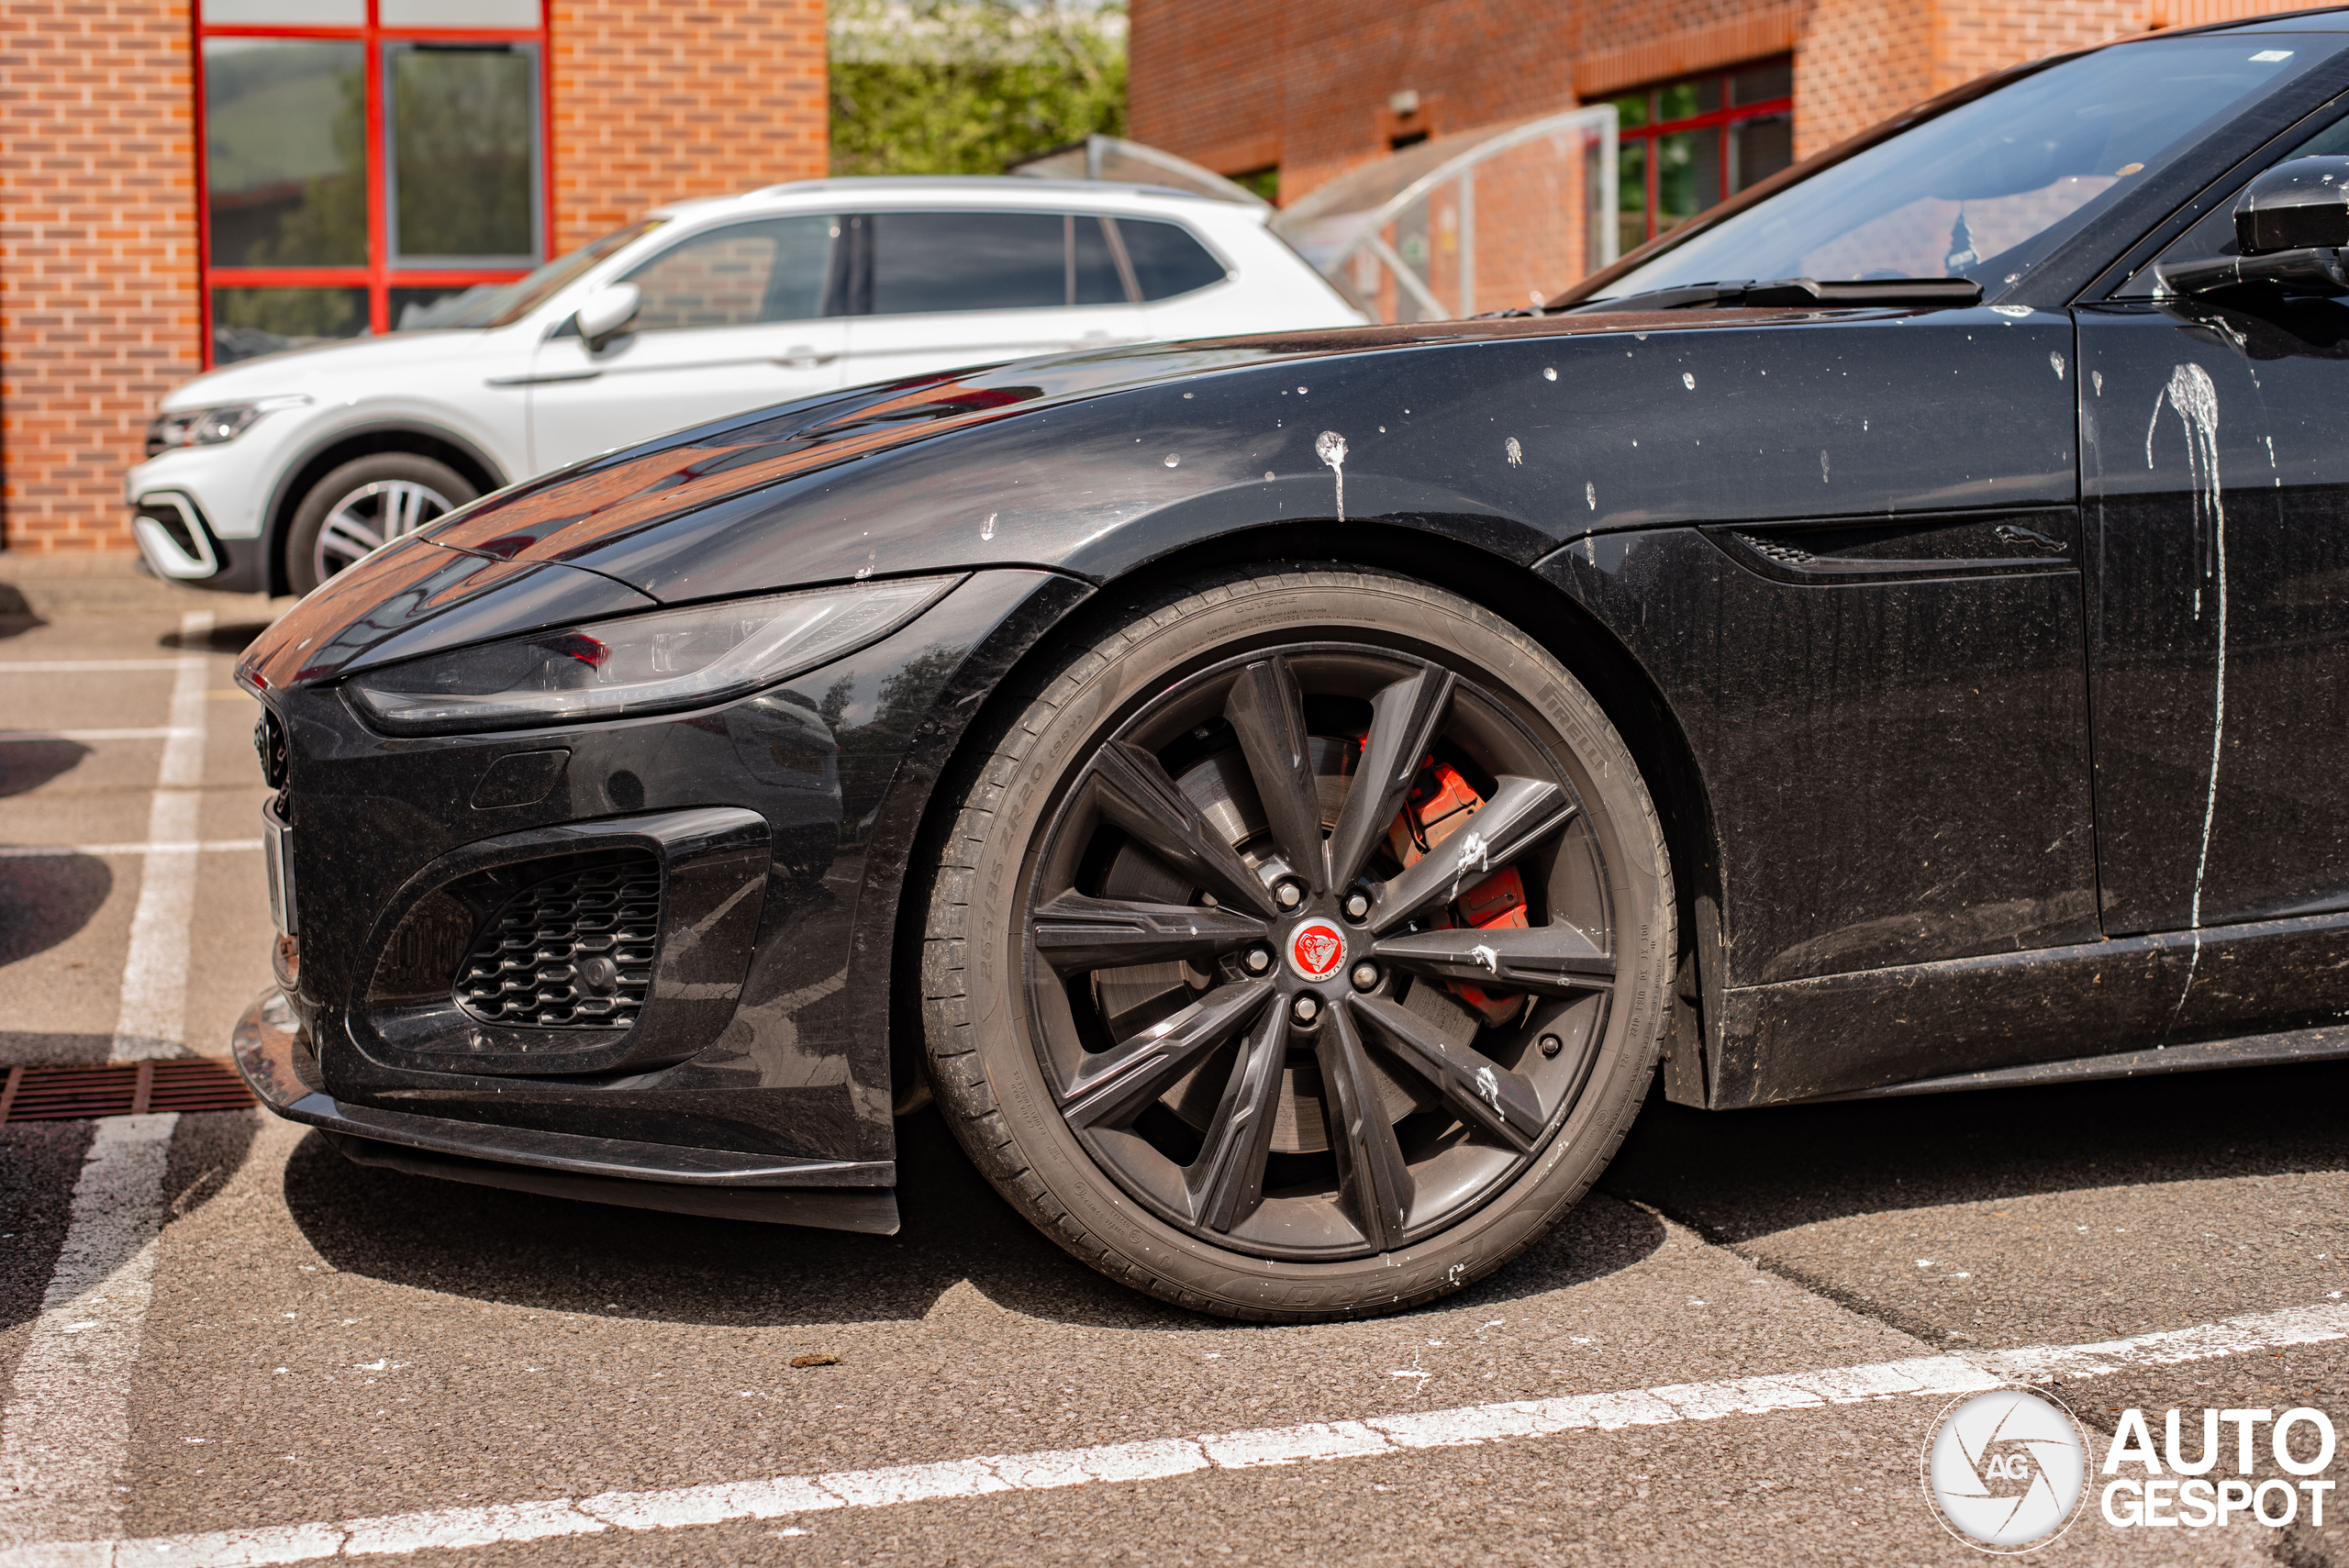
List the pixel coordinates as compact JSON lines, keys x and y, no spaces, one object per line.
{"x":573,"y":951}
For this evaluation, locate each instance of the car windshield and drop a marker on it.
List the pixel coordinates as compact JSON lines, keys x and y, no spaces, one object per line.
{"x":495,"y":305}
{"x":1990,"y":187}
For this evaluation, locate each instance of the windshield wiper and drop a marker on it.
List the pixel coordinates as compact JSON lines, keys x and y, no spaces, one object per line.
{"x":1799,"y":293}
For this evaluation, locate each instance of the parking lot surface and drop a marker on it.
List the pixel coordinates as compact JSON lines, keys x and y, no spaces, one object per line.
{"x":222,"y":1342}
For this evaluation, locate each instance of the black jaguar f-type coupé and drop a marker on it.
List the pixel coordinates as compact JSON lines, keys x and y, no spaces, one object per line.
{"x":1284,"y":795}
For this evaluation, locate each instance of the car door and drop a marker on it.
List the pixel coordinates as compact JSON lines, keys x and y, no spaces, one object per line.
{"x":936,"y":290}
{"x":732,"y":318}
{"x":2215,"y":481}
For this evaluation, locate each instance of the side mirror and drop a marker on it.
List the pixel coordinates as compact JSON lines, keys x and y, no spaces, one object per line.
{"x":2296,"y":205}
{"x":2292,"y":224}
{"x":607,"y":313}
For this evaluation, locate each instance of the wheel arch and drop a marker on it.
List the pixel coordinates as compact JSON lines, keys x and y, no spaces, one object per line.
{"x":1507,"y":588}
{"x":329,"y":453}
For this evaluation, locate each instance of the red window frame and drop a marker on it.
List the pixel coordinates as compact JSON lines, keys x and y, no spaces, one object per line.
{"x":378,"y":277}
{"x":1718,"y":120}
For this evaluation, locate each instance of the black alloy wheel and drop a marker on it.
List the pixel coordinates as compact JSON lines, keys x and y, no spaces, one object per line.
{"x":1316,"y":971}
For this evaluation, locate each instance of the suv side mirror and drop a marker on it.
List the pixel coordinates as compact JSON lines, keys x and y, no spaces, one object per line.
{"x":606,"y":313}
{"x":2292,"y":224}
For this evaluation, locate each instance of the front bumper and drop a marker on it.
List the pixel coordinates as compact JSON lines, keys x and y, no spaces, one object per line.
{"x":274,"y":1054}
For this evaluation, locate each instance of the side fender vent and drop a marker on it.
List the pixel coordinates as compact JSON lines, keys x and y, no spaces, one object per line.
{"x":574,"y":950}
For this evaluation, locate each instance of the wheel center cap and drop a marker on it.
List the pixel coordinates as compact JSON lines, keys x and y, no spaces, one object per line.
{"x":1316,"y":949}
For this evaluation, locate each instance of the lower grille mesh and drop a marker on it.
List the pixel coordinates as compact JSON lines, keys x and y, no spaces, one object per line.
{"x":573,"y":951}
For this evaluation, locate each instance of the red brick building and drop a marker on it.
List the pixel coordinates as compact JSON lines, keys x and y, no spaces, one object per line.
{"x":1714,"y":94}
{"x":184,"y":183}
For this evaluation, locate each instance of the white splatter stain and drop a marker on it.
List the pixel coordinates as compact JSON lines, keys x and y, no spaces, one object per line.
{"x":1590,"y":496}
{"x":2017,"y":311}
{"x":1173,"y":459}
{"x":1822,"y":467}
{"x":2097,"y":377}
{"x":1549,"y":373}
{"x":1268,"y":473}
{"x":2194,"y":400}
{"x":1300,"y":392}
{"x":1688,"y":380}
{"x":987,"y":529}
{"x":1516,"y":453}
{"x":1330,"y":446}
{"x":1484,"y":957}
{"x":2057,"y":359}
{"x":1490,"y":1087}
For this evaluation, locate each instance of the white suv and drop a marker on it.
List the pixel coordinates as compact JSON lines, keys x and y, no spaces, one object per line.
{"x":276,"y":472}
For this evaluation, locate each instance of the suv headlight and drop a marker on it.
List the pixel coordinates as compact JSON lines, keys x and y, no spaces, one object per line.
{"x":654,"y":662}
{"x":210,"y":426}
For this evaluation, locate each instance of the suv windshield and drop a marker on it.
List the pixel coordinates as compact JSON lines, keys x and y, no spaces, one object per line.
{"x":495,"y":305}
{"x":1985,"y":190}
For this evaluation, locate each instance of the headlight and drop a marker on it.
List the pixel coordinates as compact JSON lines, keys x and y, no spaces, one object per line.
{"x":644,"y":663}
{"x":210,"y":426}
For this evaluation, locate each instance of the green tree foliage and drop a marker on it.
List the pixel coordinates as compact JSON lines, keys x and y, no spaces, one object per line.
{"x":967,"y":86}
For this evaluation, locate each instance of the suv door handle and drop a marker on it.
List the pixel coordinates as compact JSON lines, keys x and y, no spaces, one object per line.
{"x":803,"y":356}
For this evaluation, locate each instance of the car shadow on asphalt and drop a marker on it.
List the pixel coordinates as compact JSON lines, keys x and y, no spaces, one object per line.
{"x":233,"y":638}
{"x":1738,"y":1175}
{"x":45,"y":899}
{"x":559,"y":1255}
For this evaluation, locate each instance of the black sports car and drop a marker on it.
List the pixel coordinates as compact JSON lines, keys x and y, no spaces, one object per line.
{"x":1283,"y":795}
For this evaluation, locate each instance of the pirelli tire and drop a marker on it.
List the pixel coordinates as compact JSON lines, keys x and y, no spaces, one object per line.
{"x":1086,"y":832}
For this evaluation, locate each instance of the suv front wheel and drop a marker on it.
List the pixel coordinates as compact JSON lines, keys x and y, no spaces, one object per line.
{"x":363,"y":503}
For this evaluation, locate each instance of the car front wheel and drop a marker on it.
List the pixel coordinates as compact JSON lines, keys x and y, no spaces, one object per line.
{"x":362,"y":504}
{"x":1300,"y":949}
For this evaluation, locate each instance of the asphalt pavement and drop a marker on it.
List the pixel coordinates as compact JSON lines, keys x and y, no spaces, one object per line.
{"x":223,"y":1344}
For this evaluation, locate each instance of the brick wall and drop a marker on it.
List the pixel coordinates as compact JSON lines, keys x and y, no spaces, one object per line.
{"x":98,"y":255}
{"x":654,"y":101}
{"x":1237,"y":84}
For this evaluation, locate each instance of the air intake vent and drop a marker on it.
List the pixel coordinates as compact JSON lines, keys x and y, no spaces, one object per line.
{"x":573,"y":951}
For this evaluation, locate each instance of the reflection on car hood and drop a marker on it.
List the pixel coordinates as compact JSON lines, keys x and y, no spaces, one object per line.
{"x":579,"y":512}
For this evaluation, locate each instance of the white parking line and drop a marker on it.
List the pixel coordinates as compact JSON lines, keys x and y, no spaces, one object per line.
{"x":153,"y":733}
{"x":202,"y":846}
{"x":154,"y":973}
{"x":775,"y":1497}
{"x":66,"y":1426}
{"x":88,"y":666}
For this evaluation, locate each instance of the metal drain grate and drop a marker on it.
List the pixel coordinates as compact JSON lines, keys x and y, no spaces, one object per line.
{"x":120,"y":1088}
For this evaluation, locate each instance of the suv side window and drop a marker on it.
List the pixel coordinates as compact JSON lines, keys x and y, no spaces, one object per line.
{"x":1167,"y":260}
{"x":777,"y":269}
{"x":933,"y":261}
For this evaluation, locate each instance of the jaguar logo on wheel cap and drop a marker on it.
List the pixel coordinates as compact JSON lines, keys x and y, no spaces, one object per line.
{"x":1316,"y":949}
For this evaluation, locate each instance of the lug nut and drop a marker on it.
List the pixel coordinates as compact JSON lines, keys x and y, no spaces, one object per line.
{"x":1257,"y":960}
{"x":1365,"y":975}
{"x":1304,"y":1009}
{"x":1552,"y":1045}
{"x":1357,"y":904}
{"x":1289,"y":894}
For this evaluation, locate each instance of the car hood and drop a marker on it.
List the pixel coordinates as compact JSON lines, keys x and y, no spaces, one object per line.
{"x":1093,"y":463}
{"x":340,"y":369}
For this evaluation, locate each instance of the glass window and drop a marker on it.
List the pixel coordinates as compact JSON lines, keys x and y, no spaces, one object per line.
{"x":1166,"y":258}
{"x":343,"y":155}
{"x":285,"y":165}
{"x":1689,"y":144}
{"x":250,"y":321}
{"x":1986,"y":188}
{"x":925,"y":261}
{"x":463,"y":183}
{"x":778,"y":269}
